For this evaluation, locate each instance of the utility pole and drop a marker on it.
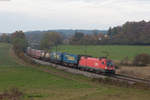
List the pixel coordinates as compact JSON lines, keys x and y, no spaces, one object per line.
{"x":85,"y":50}
{"x":56,"y":49}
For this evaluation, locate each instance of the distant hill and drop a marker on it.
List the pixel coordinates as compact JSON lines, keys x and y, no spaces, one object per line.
{"x":67,"y":32}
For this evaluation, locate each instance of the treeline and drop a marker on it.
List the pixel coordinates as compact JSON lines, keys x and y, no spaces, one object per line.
{"x":37,"y":35}
{"x":5,"y":38}
{"x":51,"y":39}
{"x":87,"y":39}
{"x":130,"y":33}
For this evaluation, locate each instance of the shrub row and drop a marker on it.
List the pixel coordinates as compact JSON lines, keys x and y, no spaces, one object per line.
{"x":139,"y":60}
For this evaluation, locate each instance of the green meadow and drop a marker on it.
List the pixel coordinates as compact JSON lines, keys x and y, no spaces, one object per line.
{"x":115,"y":52}
{"x":41,"y":85}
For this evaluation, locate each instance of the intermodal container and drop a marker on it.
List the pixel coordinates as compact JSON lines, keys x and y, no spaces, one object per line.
{"x":57,"y":56}
{"x":70,"y":58}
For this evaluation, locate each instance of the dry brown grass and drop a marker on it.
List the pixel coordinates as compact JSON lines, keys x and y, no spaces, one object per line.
{"x":11,"y":94}
{"x":141,"y":72}
{"x":90,"y":94}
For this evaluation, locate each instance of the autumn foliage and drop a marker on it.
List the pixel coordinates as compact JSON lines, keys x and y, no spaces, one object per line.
{"x":132,"y":33}
{"x":19,"y":41}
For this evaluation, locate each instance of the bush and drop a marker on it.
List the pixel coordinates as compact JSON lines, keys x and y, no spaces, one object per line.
{"x":12,"y":94}
{"x":142,"y":60}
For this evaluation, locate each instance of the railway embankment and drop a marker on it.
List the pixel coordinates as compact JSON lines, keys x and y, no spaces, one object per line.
{"x":115,"y":79}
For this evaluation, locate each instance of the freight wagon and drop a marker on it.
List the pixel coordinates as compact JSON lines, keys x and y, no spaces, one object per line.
{"x":29,"y":51}
{"x":70,"y":59}
{"x":47,"y":56}
{"x":33,"y":52}
{"x":56,"y":57}
{"x":43,"y":54}
{"x":38,"y":54}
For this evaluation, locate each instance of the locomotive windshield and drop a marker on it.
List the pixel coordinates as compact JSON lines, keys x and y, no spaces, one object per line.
{"x":109,"y":63}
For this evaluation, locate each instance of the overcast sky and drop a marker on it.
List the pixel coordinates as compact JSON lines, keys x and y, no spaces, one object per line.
{"x":70,"y":14}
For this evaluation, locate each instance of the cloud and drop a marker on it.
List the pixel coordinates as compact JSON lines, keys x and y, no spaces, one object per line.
{"x":47,"y":14}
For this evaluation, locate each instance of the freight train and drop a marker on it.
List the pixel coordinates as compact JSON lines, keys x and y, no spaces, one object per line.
{"x":82,"y":62}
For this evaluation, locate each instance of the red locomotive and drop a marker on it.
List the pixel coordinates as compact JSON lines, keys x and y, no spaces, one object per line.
{"x":97,"y":64}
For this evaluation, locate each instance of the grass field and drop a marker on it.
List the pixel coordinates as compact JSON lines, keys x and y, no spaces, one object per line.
{"x":116,"y":52}
{"x":58,"y":86}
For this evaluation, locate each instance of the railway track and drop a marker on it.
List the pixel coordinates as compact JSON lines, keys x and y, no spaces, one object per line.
{"x":117,"y":77}
{"x":129,"y":78}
